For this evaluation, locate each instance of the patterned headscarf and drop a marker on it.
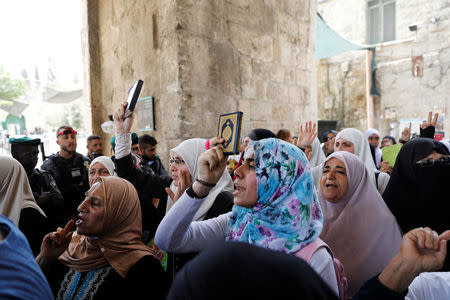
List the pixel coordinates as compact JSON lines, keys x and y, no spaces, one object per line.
{"x":287,"y":215}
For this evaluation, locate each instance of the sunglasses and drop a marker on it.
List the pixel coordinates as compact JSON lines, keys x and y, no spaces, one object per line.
{"x":67,"y":131}
{"x":443,"y":161}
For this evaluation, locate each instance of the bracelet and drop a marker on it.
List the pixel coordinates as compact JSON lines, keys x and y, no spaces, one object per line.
{"x":205,"y":183}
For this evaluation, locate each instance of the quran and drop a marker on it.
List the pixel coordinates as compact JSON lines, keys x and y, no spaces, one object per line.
{"x":229,"y":129}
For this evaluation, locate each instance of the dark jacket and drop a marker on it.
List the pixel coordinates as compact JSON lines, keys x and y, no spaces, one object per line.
{"x":71,"y":176}
{"x":148,"y":186}
{"x":155,"y":167}
{"x":43,"y":184}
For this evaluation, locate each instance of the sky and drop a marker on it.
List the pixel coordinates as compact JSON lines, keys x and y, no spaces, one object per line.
{"x":32,"y":31}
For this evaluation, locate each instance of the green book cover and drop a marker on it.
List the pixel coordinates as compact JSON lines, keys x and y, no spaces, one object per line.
{"x":390,"y":153}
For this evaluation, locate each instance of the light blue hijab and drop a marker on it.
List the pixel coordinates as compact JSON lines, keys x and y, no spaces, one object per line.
{"x":287,"y":215}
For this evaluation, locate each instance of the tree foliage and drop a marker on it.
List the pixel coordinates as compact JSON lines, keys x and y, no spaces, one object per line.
{"x":10,"y":87}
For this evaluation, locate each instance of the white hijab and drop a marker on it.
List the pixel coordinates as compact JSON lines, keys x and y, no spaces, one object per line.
{"x":107,"y":162}
{"x":362,"y":151}
{"x":317,"y":155}
{"x":15,"y":190}
{"x":378,"y":152}
{"x":190,"y":150}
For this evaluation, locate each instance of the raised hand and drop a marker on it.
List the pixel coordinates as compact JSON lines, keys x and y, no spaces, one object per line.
{"x":184,"y":182}
{"x":122,"y":124}
{"x":211,"y":165}
{"x":445,"y":235}
{"x":425,"y":248}
{"x":55,"y":243}
{"x":406,"y":133}
{"x":430,"y":122}
{"x":215,"y":141}
{"x":307,"y":136}
{"x":422,"y":250}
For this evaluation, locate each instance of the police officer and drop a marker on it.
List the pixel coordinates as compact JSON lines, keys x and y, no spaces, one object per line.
{"x":43,"y":185}
{"x":70,"y":170}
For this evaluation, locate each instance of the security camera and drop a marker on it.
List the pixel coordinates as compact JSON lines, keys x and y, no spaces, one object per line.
{"x":412,"y":27}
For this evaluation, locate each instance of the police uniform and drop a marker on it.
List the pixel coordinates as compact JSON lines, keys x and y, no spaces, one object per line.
{"x":43,"y":183}
{"x":72,"y":178}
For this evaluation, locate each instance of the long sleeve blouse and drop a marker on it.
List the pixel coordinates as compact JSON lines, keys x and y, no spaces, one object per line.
{"x":177,"y":233}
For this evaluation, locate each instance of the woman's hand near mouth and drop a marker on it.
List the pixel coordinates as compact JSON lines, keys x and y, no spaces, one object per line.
{"x":55,"y":243}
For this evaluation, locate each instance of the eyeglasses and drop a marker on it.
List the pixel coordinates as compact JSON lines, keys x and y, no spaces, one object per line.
{"x":176,"y":161}
{"x":443,"y":161}
{"x":67,"y":131}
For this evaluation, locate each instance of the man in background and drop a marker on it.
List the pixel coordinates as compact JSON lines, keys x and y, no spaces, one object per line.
{"x":43,"y":185}
{"x":151,"y":163}
{"x":94,"y":146}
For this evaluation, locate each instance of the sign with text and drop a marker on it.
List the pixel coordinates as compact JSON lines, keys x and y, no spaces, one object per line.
{"x":145,"y":108}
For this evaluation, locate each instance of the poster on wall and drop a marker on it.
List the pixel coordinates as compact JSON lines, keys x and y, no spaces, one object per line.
{"x":145,"y":109}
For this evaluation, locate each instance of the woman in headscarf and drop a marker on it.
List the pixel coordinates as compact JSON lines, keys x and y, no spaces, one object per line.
{"x":254,"y":135}
{"x":374,"y":137}
{"x":352,"y":140}
{"x":388,"y":141}
{"x":105,"y":258}
{"x":183,"y":162}
{"x":276,"y":206}
{"x":417,"y":194}
{"x":358,"y":226}
{"x":101,"y":166}
{"x":18,"y":204}
{"x":183,"y":168}
{"x":317,"y":155}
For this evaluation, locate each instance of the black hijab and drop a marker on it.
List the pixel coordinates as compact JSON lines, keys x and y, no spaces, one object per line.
{"x":234,"y":270}
{"x":261,"y":133}
{"x":417,"y":195}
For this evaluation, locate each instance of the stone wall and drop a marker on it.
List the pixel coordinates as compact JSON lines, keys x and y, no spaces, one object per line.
{"x":403,"y":96}
{"x":203,"y":58}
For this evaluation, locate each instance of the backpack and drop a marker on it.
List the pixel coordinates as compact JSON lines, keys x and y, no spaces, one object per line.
{"x":306,"y":254}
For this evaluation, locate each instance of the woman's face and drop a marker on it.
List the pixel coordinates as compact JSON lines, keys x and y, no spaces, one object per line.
{"x":433,"y":156}
{"x":91,"y":212}
{"x":386,"y":142}
{"x":374,"y":139}
{"x":245,"y":183}
{"x":97,"y":170}
{"x":177,"y":166}
{"x":344,"y":145}
{"x":244,"y":144}
{"x":334,"y":181}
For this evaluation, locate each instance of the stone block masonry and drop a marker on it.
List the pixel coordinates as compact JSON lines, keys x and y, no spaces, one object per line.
{"x":202,"y":58}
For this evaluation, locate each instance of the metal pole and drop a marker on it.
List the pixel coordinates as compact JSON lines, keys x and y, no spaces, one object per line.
{"x":369,"y":98}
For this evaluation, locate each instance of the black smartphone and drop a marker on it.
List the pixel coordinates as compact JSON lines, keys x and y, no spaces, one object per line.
{"x":133,"y":95}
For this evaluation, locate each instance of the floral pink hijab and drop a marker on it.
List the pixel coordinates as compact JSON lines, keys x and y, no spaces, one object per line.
{"x":360,"y":228}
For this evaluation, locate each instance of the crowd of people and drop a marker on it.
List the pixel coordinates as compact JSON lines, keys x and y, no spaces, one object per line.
{"x":290,"y":216}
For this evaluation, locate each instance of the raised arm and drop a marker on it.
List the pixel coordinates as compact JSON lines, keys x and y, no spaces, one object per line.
{"x":177,"y":232}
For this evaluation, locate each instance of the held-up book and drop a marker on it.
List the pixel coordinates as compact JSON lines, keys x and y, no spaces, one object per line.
{"x":229,"y":129}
